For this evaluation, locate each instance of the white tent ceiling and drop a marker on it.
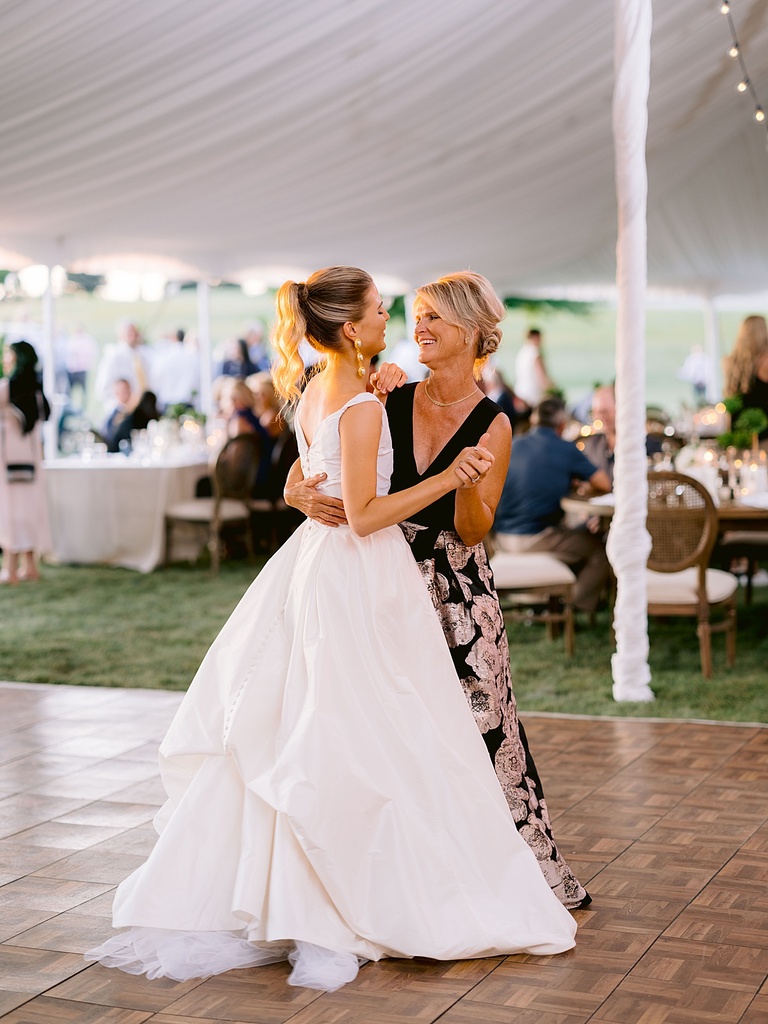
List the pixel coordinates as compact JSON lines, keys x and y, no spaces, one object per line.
{"x":411,"y":137}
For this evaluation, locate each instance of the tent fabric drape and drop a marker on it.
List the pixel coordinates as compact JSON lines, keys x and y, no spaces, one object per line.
{"x":411,"y":139}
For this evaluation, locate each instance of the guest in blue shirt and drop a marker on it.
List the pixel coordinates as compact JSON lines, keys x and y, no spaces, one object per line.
{"x":541,"y":472}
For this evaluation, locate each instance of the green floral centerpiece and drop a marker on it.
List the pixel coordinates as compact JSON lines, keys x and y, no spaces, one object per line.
{"x":746,"y":425}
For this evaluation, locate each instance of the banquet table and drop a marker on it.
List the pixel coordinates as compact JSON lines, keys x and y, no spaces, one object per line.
{"x":110,"y":510}
{"x":747,"y":513}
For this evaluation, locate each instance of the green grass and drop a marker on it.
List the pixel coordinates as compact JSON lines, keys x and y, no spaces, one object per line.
{"x":113,"y":627}
{"x":545,"y":680}
{"x":102,"y":626}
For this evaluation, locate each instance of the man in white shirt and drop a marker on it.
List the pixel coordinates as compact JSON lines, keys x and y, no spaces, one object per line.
{"x":176,"y":373}
{"x":532,"y":381}
{"x":129,"y":360}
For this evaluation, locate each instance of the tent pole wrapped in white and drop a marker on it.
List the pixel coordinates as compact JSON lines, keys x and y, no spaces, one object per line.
{"x":628,"y":541}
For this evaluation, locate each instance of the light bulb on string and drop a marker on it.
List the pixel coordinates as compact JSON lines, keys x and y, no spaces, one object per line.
{"x":743,"y":85}
{"x":734,"y":51}
{"x":759,"y":115}
{"x":725,"y":8}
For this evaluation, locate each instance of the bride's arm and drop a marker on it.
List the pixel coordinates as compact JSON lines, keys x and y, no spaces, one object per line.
{"x":476,"y":506}
{"x":360,"y":431}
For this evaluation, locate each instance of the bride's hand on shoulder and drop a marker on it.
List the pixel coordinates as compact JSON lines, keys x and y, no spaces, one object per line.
{"x":386,"y":378}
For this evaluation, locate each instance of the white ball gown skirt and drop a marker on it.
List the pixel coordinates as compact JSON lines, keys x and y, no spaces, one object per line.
{"x":330,"y":798}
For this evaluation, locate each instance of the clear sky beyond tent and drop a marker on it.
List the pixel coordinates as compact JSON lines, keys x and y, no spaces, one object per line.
{"x":249,"y":138}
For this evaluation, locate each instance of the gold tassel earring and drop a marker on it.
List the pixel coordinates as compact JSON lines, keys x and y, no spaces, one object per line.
{"x":360,"y":363}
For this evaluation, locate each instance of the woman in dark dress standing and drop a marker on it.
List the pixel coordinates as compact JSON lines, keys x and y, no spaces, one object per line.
{"x":456,"y":330}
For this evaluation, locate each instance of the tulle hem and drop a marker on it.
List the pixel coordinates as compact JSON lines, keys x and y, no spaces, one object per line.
{"x":165,"y":953}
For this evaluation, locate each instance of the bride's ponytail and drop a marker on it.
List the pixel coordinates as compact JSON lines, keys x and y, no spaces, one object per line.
{"x":290,"y":330}
{"x":316,"y":311}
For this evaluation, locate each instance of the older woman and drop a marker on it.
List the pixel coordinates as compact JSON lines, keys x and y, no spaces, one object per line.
{"x":457,"y":329}
{"x":24,"y":528}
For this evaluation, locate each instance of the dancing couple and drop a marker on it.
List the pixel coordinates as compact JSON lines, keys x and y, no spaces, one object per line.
{"x":330,"y":795}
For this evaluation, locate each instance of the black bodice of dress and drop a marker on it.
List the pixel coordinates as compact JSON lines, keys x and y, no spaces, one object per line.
{"x":439,"y":514}
{"x":755,"y":398}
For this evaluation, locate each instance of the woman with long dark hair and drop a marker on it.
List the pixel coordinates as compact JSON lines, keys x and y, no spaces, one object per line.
{"x":24,"y":528}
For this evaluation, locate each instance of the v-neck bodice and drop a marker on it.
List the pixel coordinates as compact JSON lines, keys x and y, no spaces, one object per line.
{"x":405,"y":473}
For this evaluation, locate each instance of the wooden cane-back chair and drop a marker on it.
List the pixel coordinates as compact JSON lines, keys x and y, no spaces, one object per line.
{"x":234,"y":474}
{"x":682,"y":522}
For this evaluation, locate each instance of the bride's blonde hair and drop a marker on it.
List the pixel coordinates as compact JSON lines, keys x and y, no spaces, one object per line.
{"x":316,"y":310}
{"x":467,"y":301}
{"x":740,"y":367}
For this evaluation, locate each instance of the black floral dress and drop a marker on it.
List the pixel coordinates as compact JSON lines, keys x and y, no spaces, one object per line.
{"x":460,"y":582}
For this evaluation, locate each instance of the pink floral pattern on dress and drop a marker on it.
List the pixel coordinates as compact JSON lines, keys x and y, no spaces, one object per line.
{"x":460,"y":583}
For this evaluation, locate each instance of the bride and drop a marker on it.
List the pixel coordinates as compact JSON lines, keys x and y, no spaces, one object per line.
{"x":330,"y":799}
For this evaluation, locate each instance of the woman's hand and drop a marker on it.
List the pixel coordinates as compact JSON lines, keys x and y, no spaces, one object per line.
{"x":473,"y":464}
{"x":387,"y":377}
{"x":304,"y":495}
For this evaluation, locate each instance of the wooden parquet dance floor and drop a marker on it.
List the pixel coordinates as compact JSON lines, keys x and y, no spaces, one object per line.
{"x":666,"y":821}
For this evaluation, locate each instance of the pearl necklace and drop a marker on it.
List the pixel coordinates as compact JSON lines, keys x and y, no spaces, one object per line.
{"x":444,"y":405}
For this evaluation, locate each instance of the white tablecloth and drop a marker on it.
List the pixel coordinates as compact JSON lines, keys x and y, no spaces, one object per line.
{"x":111,"y":510}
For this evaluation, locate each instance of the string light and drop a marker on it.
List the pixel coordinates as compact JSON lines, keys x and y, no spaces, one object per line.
{"x":734,"y":51}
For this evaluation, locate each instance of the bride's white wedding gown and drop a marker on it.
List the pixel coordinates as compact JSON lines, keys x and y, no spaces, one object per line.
{"x":329,"y":795}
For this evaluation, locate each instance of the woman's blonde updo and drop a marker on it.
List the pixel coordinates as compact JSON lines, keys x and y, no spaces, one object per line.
{"x":751,"y":345}
{"x":467,"y":301}
{"x":315,"y":310}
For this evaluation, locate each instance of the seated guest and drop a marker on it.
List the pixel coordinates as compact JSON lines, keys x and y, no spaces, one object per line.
{"x":240,"y":409}
{"x":122,"y":407}
{"x":238,"y":361}
{"x":599,"y":447}
{"x":496,"y":388}
{"x":267,"y":404}
{"x":137,"y":419}
{"x":541,"y":470}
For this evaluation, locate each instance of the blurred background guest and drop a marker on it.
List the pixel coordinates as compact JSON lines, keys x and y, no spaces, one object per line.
{"x":121,"y":407}
{"x":136,"y":419}
{"x":532,"y":379}
{"x":24,"y":528}
{"x":258,"y":349}
{"x":599,"y":446}
{"x":237,"y":361}
{"x":745,"y":370}
{"x":81,"y":354}
{"x":541,"y":470}
{"x":496,"y":388}
{"x":694,"y":371}
{"x":128,"y":359}
{"x":176,"y":373}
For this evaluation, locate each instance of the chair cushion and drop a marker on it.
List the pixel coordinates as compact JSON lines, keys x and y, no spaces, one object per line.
{"x":529,"y":569}
{"x":745,"y":538}
{"x":682,"y":587}
{"x":200,"y":510}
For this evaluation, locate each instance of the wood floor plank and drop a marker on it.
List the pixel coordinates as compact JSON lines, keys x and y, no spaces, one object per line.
{"x":109,"y":987}
{"x":43,"y":1010}
{"x":667,"y":822}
